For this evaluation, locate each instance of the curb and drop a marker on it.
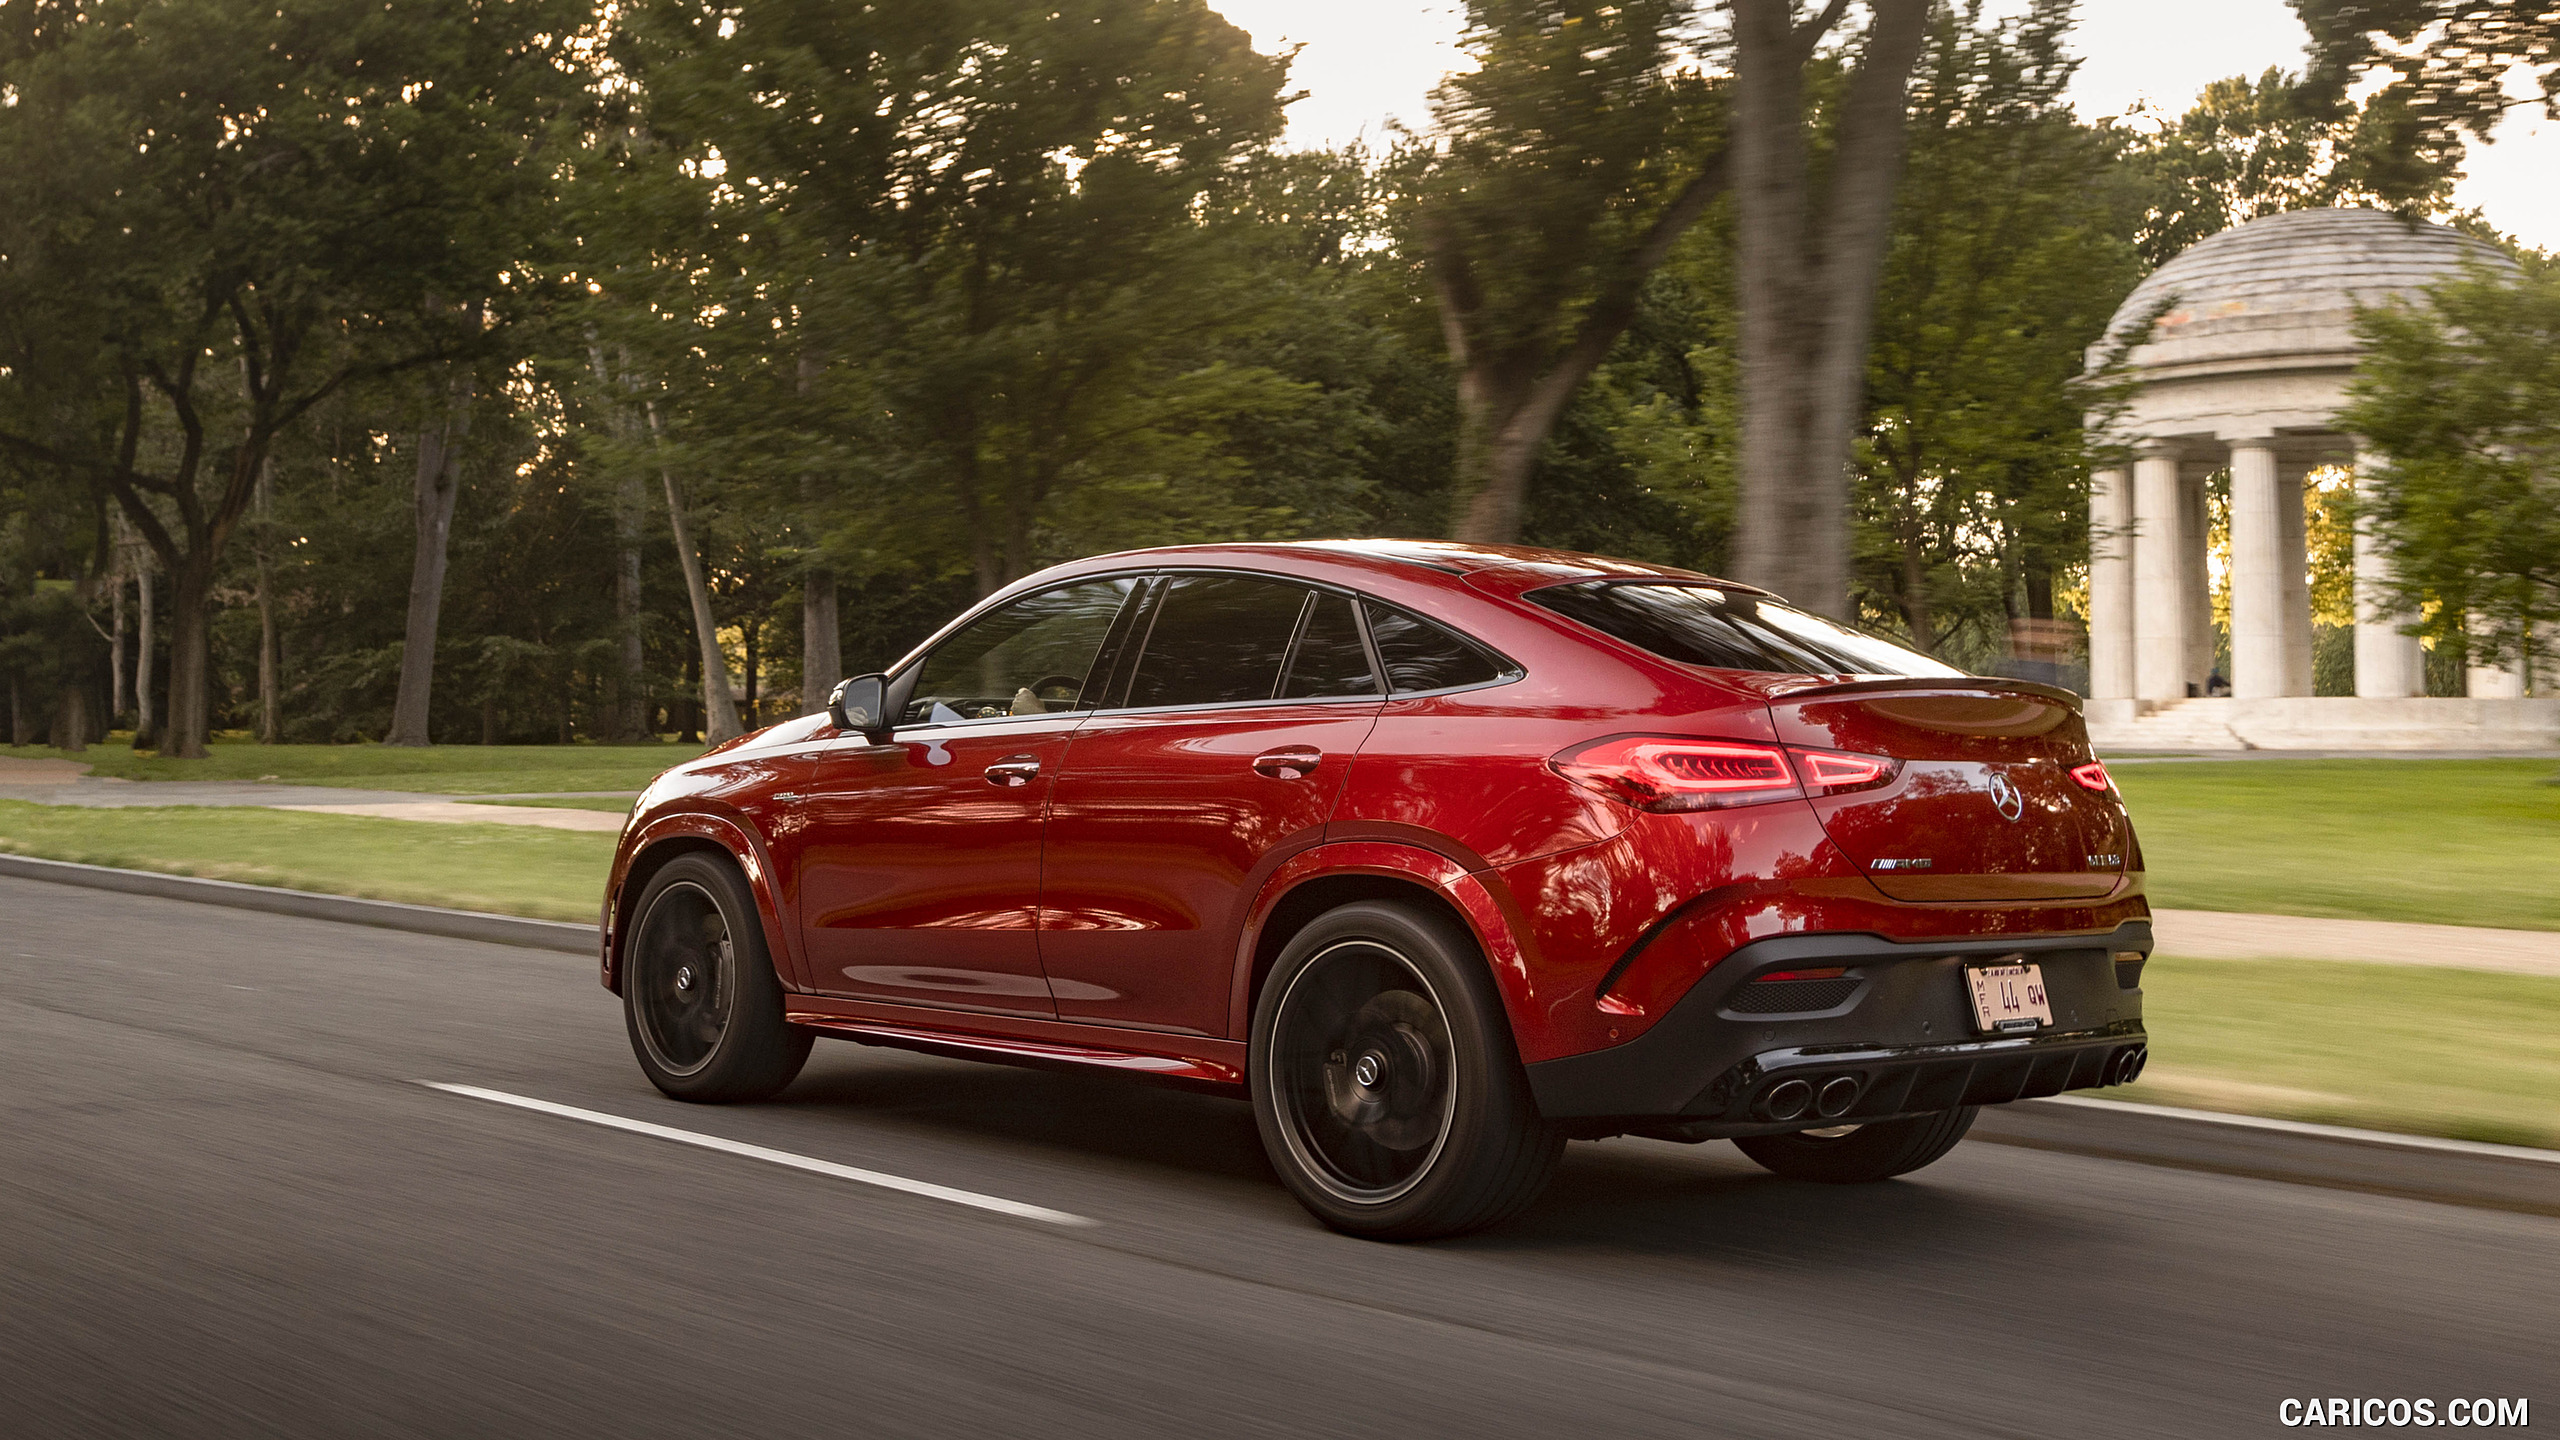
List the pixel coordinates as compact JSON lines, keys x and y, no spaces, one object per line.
{"x":555,"y":935}
{"x":2514,"y":1178}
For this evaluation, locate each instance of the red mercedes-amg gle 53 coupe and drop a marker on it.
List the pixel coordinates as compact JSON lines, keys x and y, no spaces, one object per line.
{"x":1441,"y":854}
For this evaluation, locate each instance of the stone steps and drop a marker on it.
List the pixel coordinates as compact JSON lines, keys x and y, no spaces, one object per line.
{"x":2411,"y":724}
{"x":2199,"y":724}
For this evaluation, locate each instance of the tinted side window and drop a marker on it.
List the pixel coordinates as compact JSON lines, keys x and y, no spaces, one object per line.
{"x":1330,"y":660}
{"x":1030,"y":657}
{"x":1422,"y":656}
{"x":1217,"y":639}
{"x":1702,"y":625}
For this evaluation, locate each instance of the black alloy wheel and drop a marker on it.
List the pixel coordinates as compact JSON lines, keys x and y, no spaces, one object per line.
{"x":683,"y":979}
{"x":699,"y":993}
{"x":1387,"y":1088}
{"x":1362,"y":1072}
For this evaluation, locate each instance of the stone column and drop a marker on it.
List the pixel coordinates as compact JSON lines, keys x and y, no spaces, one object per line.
{"x":2196,"y":570}
{"x":2493,"y":682}
{"x":2257,"y":571}
{"x":2292,"y":499}
{"x":2159,"y":577}
{"x":2111,"y":644}
{"x":2389,"y":664}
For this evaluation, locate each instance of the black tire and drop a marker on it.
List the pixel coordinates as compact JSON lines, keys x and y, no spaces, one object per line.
{"x":1385,"y":1081}
{"x":1867,"y":1152}
{"x":699,"y":995}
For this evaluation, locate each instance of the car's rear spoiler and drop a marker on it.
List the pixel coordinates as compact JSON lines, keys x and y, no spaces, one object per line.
{"x":1917,"y":684}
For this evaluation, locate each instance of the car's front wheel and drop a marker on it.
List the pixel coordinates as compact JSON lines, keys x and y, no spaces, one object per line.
{"x":1385,"y":1082}
{"x":1855,"y":1154}
{"x":698,"y":989}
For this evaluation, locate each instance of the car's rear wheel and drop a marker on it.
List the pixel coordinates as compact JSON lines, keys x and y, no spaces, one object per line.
{"x":1388,"y":1091}
{"x":698,"y":989}
{"x":1855,"y":1154}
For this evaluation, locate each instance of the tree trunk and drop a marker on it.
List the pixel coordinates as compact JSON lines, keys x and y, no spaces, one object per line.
{"x":631,"y":684}
{"x":270,"y":649}
{"x":144,"y":729}
{"x":438,"y":484}
{"x":717,"y":702}
{"x":190,"y":658}
{"x":270,"y":656}
{"x":1498,"y":444}
{"x":1807,"y":281}
{"x":71,"y":717}
{"x":115,"y":637}
{"x":626,"y":716}
{"x":821,"y":641}
{"x":1508,"y":404}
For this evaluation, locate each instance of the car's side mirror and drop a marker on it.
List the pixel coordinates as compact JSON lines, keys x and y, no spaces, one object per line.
{"x":862,"y":703}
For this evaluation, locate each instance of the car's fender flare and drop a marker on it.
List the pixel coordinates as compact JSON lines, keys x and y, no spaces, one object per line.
{"x":1486,"y":908}
{"x":744,"y":845}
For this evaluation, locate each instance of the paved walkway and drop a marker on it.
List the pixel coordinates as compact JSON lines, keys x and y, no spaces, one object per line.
{"x":60,"y":782}
{"x":2221,"y":935}
{"x":449,"y":812}
{"x":2168,"y":756}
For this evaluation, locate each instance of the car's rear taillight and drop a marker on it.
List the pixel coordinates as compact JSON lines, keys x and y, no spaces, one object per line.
{"x":2092,"y":776}
{"x":1662,"y":773}
{"x":1835,"y":770}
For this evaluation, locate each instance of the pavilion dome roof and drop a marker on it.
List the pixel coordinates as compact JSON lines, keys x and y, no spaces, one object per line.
{"x":2281,"y":290}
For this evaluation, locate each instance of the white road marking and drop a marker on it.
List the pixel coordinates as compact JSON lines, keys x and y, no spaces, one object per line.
{"x":2304,"y":1127}
{"x":925,"y":1188}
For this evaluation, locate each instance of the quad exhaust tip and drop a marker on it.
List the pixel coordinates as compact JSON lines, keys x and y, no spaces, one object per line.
{"x":1794,"y":1099}
{"x":2128,"y":1066}
{"x":1787,"y":1099}
{"x":1838,"y":1094}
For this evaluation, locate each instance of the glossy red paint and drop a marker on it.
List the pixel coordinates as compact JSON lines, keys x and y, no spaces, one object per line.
{"x":724,"y":806}
{"x":1113,"y":908}
{"x":1161,"y":826}
{"x":1984,"y":796}
{"x":918,"y":866}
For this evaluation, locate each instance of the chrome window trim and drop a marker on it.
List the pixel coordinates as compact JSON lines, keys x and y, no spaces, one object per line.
{"x":914,"y":666}
{"x":1513,"y":672}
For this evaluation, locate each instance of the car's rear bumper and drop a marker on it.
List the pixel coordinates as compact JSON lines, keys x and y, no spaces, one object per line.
{"x":1903,"y":1032}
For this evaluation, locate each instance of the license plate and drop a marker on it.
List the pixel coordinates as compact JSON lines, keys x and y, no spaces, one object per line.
{"x":2008,"y":999}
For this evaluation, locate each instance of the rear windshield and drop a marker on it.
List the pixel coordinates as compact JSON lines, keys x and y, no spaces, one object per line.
{"x":1702,"y":625}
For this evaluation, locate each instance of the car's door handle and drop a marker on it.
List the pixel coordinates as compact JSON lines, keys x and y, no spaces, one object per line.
{"x":1014,"y":771}
{"x":1288,"y":763}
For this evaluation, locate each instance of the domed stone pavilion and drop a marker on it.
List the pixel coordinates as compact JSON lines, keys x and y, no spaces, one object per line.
{"x":2249,"y":345}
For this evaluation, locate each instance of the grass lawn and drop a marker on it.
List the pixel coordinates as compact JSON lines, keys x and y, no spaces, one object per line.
{"x":510,"y":869}
{"x":2461,"y":1053}
{"x":2445,"y":842}
{"x":439,"y":769}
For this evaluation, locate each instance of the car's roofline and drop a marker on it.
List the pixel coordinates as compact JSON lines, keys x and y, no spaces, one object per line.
{"x":1448,"y":557}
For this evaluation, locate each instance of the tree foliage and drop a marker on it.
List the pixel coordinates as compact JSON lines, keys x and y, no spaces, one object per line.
{"x":713,"y":350}
{"x":2450,"y":65}
{"x":2009,"y":257}
{"x":2462,"y":393}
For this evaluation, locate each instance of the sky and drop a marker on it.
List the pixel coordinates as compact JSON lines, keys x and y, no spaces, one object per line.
{"x":1365,"y":61}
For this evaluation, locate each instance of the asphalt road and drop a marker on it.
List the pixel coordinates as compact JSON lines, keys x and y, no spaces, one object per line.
{"x":229,"y":1206}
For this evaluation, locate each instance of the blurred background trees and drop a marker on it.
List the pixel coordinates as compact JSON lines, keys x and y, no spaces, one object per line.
{"x":463,"y":372}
